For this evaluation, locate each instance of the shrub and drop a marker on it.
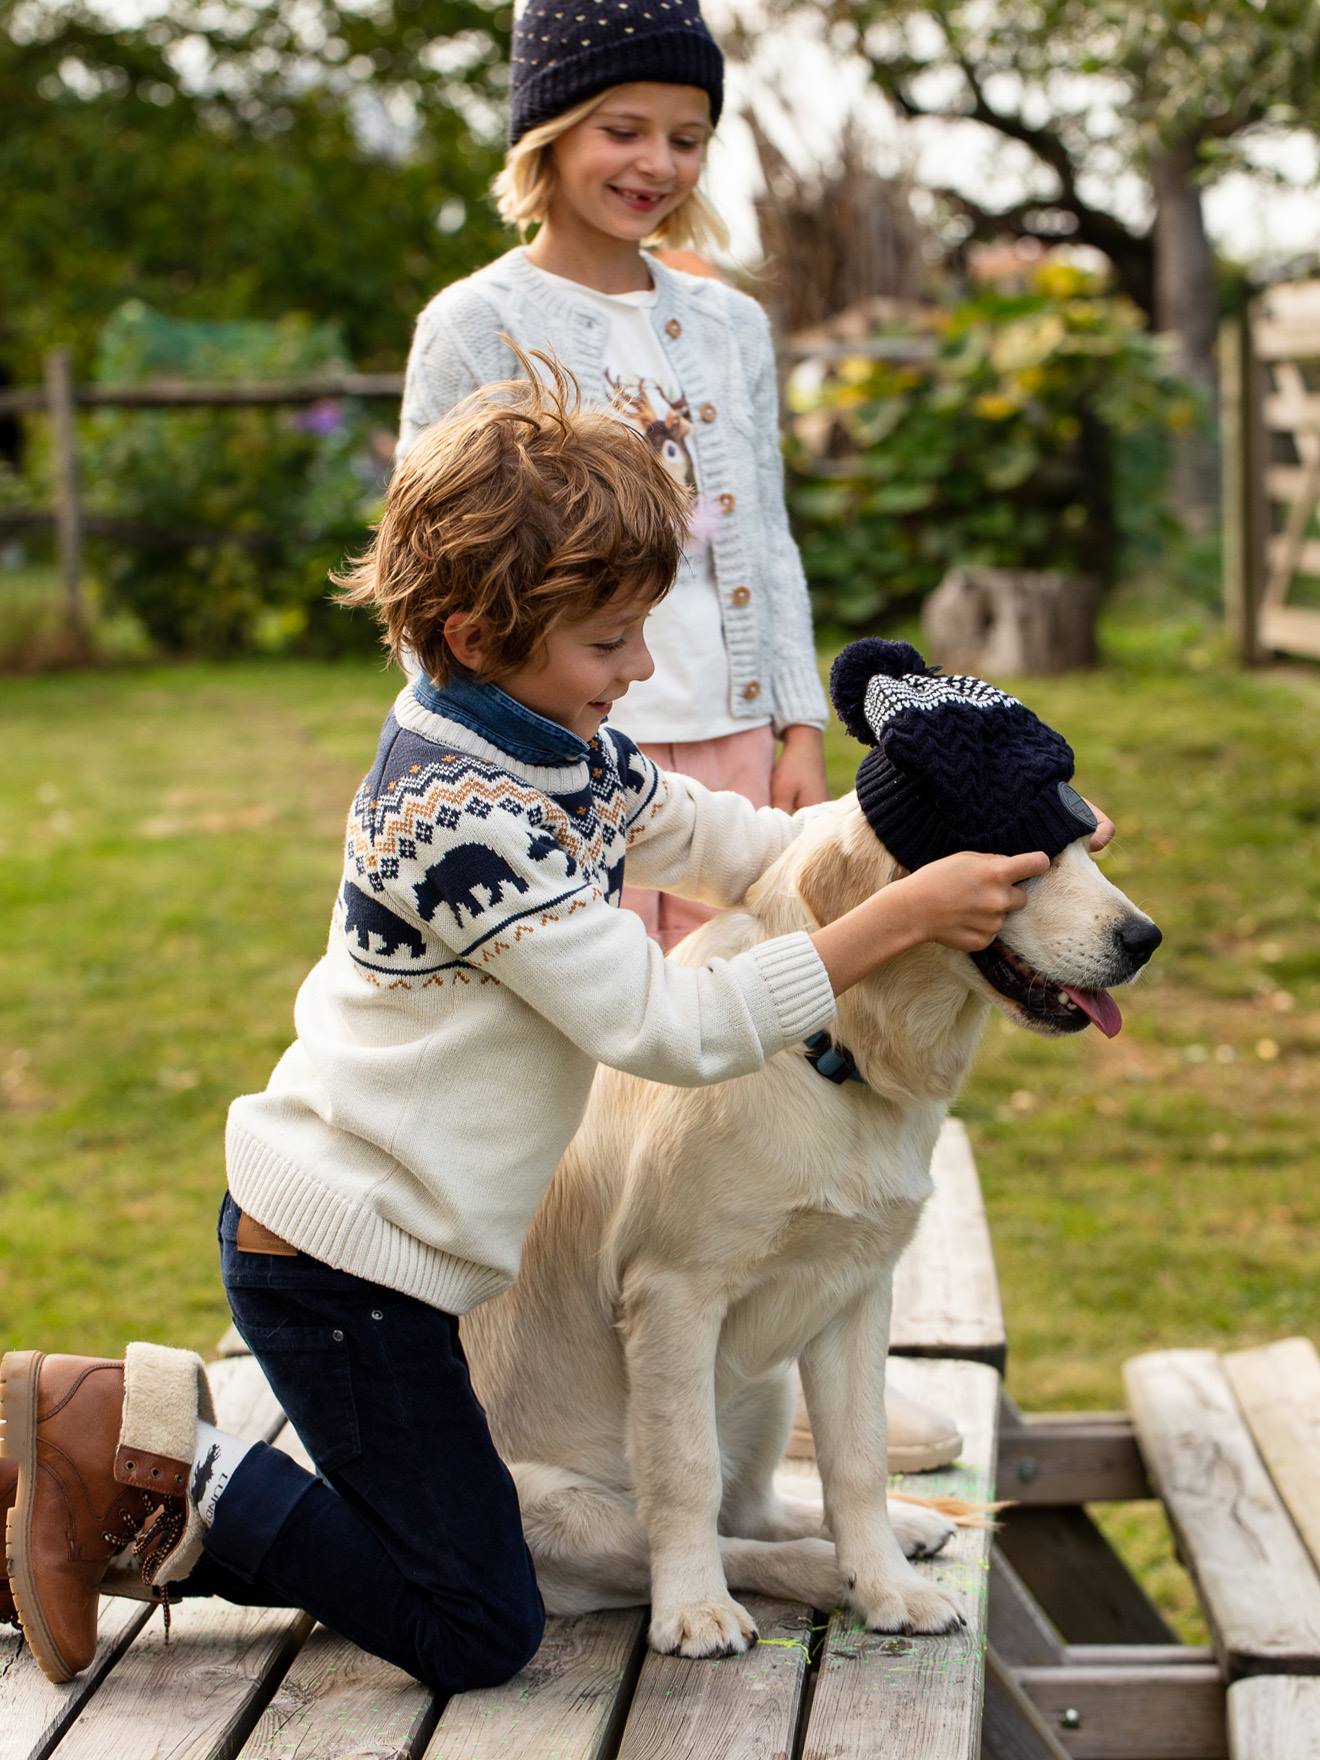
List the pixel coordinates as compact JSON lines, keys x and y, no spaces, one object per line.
{"x":292,"y":488}
{"x":1030,"y":436}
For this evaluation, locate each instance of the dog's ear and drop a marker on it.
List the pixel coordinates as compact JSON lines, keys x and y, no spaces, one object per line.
{"x":842,"y":872}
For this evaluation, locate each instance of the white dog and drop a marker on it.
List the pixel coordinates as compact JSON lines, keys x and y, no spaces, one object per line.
{"x":696,"y":1242}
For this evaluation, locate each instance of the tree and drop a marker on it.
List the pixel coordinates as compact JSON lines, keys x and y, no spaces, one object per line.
{"x":227,"y":159}
{"x":1174,"y":93}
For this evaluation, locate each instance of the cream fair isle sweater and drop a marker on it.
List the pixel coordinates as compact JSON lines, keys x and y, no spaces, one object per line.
{"x":476,"y":973}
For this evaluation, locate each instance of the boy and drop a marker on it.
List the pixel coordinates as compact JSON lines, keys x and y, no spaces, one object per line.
{"x":475,"y":973}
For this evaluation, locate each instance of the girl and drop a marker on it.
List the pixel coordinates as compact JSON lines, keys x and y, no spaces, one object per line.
{"x":613,"y":104}
{"x":612,"y":108}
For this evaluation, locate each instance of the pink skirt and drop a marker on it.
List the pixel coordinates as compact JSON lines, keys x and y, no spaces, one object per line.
{"x":742,"y":762}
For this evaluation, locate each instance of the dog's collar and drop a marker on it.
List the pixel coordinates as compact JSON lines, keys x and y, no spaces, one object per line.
{"x":834,"y":1062}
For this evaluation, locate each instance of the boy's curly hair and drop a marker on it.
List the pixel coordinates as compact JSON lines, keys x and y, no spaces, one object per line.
{"x":521,"y":507}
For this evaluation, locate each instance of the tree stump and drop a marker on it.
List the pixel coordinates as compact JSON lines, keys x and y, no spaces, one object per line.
{"x":1009,"y":621}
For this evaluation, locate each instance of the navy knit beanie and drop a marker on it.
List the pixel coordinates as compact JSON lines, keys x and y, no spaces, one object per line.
{"x":568,"y":50}
{"x":955,"y":764}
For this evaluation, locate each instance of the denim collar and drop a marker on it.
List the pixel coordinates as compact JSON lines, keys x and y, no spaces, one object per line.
{"x":492,"y":713}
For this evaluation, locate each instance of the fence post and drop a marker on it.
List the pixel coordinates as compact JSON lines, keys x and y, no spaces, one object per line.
{"x":1240,"y":438}
{"x":68,"y":509}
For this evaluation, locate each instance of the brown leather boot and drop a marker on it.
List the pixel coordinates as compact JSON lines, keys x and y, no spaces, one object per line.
{"x":8,"y":1492}
{"x":71,"y":1514}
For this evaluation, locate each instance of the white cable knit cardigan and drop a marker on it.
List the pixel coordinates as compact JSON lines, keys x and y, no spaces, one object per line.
{"x":477,"y":971}
{"x":720,"y":344}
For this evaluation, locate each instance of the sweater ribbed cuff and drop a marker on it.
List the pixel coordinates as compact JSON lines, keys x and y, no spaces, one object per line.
{"x":798,"y":986}
{"x":799,"y":698}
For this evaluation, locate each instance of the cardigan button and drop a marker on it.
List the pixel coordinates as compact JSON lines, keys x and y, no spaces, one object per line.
{"x":728,"y":502}
{"x":673,"y":328}
{"x":707,"y":412}
{"x":580,"y":811}
{"x":740,"y":595}
{"x":751,"y":690}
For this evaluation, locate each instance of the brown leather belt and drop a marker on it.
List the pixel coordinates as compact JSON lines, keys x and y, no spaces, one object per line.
{"x":254,"y":1237}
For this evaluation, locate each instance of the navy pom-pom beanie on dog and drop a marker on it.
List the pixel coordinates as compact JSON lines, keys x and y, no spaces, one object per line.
{"x":955,"y":763}
{"x":565,"y":51}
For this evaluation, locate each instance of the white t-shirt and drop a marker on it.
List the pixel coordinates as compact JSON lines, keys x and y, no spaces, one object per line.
{"x":687,"y":697}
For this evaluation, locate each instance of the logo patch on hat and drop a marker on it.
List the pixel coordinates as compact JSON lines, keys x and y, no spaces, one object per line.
{"x":1077,"y":806}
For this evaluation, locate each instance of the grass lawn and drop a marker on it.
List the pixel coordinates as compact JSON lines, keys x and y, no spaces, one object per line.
{"x":174,"y":839}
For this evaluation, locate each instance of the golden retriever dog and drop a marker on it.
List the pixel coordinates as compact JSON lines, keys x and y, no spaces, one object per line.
{"x":697,"y":1242}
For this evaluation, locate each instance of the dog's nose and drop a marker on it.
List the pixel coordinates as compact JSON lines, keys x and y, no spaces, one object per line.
{"x":1138,"y":937}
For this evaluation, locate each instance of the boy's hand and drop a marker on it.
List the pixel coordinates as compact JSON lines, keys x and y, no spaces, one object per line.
{"x":798,"y":779}
{"x":962,"y":900}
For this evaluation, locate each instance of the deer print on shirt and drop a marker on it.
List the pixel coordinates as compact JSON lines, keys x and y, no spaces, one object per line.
{"x":666,"y":433}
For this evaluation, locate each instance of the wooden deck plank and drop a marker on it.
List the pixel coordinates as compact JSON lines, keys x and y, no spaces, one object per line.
{"x":919,"y":1697}
{"x":1259,"y":1587}
{"x":34,"y":1714}
{"x":946,"y":1293}
{"x":195,"y":1698}
{"x":1274,"y":1717}
{"x":337,"y":1701}
{"x":739,"y":1708}
{"x":568,"y":1702}
{"x":1278,"y":1388}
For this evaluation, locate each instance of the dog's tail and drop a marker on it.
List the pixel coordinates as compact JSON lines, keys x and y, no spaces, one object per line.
{"x":964,"y":1512}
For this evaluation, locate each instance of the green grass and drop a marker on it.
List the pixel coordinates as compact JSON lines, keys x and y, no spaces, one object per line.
{"x":173,"y":841}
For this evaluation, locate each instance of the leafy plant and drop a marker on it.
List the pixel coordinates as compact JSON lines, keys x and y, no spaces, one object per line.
{"x":1007,"y":444}
{"x":235,"y":515}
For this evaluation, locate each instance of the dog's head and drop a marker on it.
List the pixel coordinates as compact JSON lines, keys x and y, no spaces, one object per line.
{"x":913,"y":1025}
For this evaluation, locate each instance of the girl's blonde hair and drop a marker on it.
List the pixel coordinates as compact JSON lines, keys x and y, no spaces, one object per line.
{"x":525,"y":185}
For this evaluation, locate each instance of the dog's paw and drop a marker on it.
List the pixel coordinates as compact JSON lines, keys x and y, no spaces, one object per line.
{"x":703,"y":1628}
{"x":921,"y":1532}
{"x":909,"y":1607}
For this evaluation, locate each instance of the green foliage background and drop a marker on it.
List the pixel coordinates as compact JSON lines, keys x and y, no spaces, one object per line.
{"x":234,"y":160}
{"x":298,"y":485}
{"x":1013,"y":445}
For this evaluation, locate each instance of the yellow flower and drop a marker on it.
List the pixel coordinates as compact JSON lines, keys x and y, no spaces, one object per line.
{"x":994,"y":406}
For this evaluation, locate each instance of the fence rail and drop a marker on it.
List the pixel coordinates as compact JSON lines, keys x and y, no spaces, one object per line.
{"x":61,"y":398}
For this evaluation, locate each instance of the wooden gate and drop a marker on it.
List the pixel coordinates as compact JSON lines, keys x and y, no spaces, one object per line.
{"x":1270,"y":378}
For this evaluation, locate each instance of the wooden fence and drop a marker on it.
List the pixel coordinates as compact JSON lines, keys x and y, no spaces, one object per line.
{"x":1270,"y":398}
{"x":60,"y":398}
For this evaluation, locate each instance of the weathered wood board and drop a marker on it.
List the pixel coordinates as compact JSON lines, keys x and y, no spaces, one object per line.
{"x":336,"y":1702}
{"x":569,"y":1700}
{"x":1278,"y":1388}
{"x":1274,"y":1717}
{"x":1257,"y":1582}
{"x":946,"y":1293}
{"x":919,"y":1697}
{"x":741,"y":1708}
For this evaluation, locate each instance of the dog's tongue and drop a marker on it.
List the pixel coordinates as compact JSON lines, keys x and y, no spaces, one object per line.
{"x":1099,"y":1005}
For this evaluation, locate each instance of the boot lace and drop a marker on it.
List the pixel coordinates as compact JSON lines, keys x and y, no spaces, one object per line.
{"x":152,"y":1535}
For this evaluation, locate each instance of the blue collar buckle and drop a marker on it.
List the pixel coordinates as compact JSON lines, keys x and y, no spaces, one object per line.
{"x":834,"y":1062}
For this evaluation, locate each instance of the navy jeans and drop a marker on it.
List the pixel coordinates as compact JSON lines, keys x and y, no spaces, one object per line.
{"x":409,"y":1542}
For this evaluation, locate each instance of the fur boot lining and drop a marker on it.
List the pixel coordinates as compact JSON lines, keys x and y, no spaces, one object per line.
{"x":165,"y":1393}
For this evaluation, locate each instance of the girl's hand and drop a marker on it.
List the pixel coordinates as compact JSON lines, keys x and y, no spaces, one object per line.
{"x":962,"y":900}
{"x":1103,"y":831}
{"x":798,"y":779}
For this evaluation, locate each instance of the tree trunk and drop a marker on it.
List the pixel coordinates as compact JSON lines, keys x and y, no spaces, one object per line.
{"x":1186,"y":306}
{"x":1003,"y":622}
